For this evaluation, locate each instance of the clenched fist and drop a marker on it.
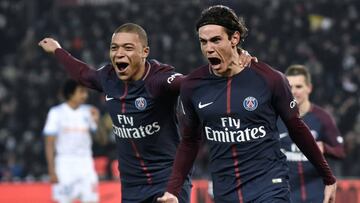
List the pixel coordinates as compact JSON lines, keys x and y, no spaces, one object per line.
{"x":49,"y":45}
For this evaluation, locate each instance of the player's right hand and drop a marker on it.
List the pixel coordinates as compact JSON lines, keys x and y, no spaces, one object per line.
{"x":330,"y":193}
{"x":49,"y":45}
{"x":53,"y":178}
{"x":167,"y":198}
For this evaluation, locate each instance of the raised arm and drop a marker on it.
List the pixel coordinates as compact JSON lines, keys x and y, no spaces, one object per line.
{"x":77,"y":69}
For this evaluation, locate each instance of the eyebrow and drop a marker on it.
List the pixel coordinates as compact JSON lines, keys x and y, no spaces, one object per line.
{"x":123,"y":45}
{"x":211,"y":39}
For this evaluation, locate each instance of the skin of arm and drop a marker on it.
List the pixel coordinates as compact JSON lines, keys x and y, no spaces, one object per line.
{"x":50,"y":157}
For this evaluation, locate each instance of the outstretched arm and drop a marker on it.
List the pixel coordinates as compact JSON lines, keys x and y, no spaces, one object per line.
{"x":77,"y":69}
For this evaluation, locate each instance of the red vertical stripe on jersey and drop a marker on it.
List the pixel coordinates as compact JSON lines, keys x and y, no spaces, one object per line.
{"x":142,"y":163}
{"x":237,"y":173}
{"x":302,"y":181}
{"x":233,"y":148}
{"x":122,"y":99}
{"x":228,"y":95}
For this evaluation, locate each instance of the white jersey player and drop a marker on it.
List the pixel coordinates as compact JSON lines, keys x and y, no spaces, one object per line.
{"x":68,"y":147}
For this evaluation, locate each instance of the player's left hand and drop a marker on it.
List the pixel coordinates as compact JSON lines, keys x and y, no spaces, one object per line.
{"x":167,"y":198}
{"x":321,"y":146}
{"x":330,"y":193}
{"x":245,"y":58}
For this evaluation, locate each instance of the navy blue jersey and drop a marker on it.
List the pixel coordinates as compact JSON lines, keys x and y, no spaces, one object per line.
{"x":305,"y":182}
{"x":144,"y":120}
{"x":237,"y":117}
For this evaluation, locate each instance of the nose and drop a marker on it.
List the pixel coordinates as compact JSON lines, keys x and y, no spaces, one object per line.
{"x":208,"y":48}
{"x":119,"y":52}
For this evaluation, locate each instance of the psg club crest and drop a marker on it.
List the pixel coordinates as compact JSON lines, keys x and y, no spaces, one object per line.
{"x":250,"y":103}
{"x":140,"y":103}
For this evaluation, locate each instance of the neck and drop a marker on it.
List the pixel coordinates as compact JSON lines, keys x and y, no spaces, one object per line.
{"x":235,"y":67}
{"x":304,"y":108}
{"x":140,"y":72}
{"x":72,"y":104}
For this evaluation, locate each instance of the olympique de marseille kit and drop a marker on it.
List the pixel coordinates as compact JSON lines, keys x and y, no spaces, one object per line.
{"x":144,"y":120}
{"x":305,"y":182}
{"x":74,"y":165}
{"x":237,"y":117}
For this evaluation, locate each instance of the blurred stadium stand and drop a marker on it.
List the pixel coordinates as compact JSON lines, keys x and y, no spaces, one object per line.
{"x":322,"y":34}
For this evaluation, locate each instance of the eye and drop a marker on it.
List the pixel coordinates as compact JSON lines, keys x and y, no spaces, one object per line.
{"x":202,"y":42}
{"x":113,"y":48}
{"x":128,"y":48}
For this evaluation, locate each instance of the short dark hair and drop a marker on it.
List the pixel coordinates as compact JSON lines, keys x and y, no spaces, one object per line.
{"x":69,"y":88}
{"x":134,"y":28}
{"x":224,"y":16}
{"x":296,"y":69}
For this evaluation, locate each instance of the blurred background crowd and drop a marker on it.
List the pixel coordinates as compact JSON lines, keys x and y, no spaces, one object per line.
{"x":322,"y":34}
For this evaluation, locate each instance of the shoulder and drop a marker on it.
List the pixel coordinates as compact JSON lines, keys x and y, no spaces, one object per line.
{"x":194,"y":78}
{"x":85,"y":107}
{"x":320,"y":113}
{"x":57,"y":108}
{"x":158,"y":67}
{"x":266,"y":71}
{"x":106,"y":71}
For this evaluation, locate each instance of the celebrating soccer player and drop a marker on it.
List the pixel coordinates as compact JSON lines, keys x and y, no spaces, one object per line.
{"x":236,"y":108}
{"x":141,"y":97}
{"x":305,"y":182}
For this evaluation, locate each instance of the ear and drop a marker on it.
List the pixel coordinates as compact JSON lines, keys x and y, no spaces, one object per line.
{"x":146,"y":52}
{"x":310,"y":88}
{"x":235,"y":38}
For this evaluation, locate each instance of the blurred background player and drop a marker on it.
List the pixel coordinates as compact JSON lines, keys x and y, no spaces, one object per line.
{"x":236,"y":108}
{"x":67,"y":131}
{"x":305,"y":182}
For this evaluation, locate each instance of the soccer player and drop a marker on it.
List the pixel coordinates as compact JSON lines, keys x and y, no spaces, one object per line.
{"x":141,"y":97}
{"x":305,"y":182}
{"x":235,"y":108}
{"x":68,"y":142}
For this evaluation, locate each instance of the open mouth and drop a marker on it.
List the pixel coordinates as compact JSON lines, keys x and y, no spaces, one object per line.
{"x":121,"y":65}
{"x":214,"y":61}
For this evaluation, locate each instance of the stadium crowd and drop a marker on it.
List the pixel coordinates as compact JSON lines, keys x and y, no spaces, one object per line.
{"x":320,"y":34}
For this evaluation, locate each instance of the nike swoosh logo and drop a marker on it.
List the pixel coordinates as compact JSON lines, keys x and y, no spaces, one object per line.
{"x":108,"y":98}
{"x":282,"y":135}
{"x":204,"y":105}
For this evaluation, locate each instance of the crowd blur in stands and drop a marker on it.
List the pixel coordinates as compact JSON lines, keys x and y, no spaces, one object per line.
{"x":322,"y":34}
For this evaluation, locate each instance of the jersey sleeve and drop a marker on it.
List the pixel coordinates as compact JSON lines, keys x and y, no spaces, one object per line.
{"x":79,"y":70}
{"x":331,"y":137}
{"x":189,"y":144}
{"x":299,"y":132}
{"x":166,"y":83}
{"x":51,"y":127}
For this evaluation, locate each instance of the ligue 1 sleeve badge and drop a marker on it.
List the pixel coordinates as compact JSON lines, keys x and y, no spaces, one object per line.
{"x":140,"y":103}
{"x":250,"y":103}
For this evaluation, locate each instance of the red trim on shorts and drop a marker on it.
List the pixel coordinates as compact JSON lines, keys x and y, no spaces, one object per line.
{"x":142,"y":163}
{"x":237,"y":173}
{"x":302,"y":181}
